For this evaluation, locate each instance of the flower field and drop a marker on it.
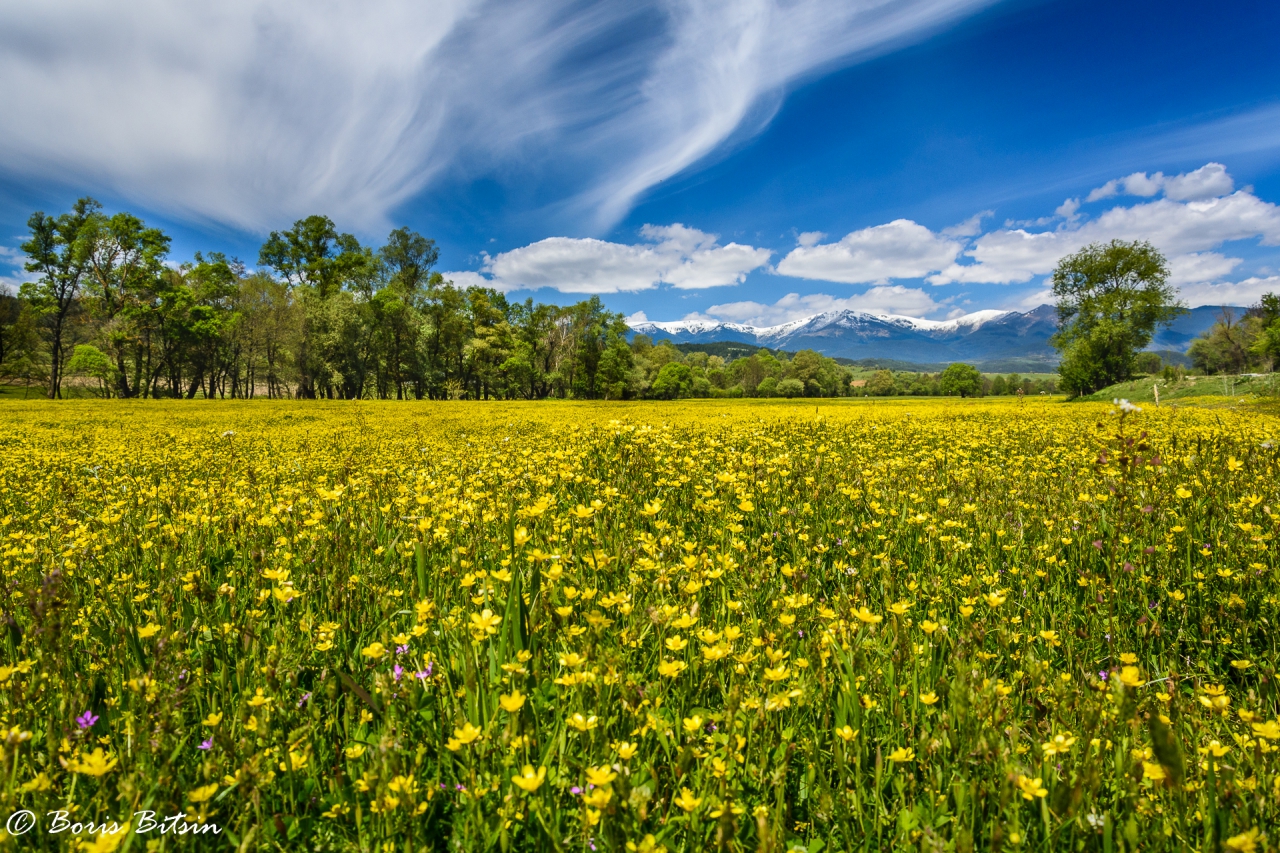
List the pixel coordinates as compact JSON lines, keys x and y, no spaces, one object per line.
{"x":965,"y":625}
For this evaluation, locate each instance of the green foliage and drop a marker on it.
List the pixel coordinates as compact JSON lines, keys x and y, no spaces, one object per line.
{"x":1111,"y":298}
{"x":674,"y":380}
{"x":1250,"y":343}
{"x":88,"y":360}
{"x":1147,"y":362}
{"x":791,"y":388}
{"x":961,"y":379}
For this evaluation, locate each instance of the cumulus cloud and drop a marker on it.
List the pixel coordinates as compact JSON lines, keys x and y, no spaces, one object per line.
{"x":1209,"y":181}
{"x":251,"y":113}
{"x":683,"y":257}
{"x":1246,"y":292}
{"x":465,"y":279}
{"x":898,"y":249}
{"x":884,"y":299}
{"x":1175,"y":226}
{"x":1197,"y":267}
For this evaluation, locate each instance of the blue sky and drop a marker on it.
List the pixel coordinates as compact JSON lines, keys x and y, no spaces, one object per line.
{"x":745,"y":160}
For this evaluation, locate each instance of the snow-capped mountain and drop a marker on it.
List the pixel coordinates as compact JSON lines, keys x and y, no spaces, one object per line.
{"x":980,"y":336}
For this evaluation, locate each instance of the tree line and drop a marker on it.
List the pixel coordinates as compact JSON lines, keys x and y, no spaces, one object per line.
{"x":323,"y":316}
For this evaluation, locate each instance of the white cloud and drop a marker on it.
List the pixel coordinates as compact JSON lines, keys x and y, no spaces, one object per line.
{"x":683,"y":257}
{"x":1198,"y":267}
{"x":1209,"y":181}
{"x":253,"y":113}
{"x":970,"y":227}
{"x":1067,"y":210}
{"x":15,"y":259}
{"x":884,"y":299}
{"x":465,"y":279}
{"x":898,"y":249}
{"x":636,"y":319}
{"x":811,"y":238}
{"x":1176,"y":228}
{"x":1244,"y":293}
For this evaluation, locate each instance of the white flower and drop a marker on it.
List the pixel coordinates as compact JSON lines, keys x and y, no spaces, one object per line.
{"x":1126,"y":406}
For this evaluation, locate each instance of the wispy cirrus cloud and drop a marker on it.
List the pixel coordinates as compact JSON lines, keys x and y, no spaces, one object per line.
{"x":250,"y":113}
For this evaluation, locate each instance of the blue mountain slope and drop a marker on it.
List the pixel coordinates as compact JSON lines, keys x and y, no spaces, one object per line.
{"x":985,"y":336}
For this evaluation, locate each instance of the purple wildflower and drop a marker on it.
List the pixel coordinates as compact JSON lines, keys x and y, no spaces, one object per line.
{"x":1102,"y":673}
{"x":402,"y":650}
{"x":575,"y":790}
{"x":86,"y":720}
{"x":398,"y":672}
{"x":422,"y":675}
{"x":207,"y":744}
{"x":306,"y":697}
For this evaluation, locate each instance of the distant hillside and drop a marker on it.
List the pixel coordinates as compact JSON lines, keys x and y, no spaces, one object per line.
{"x":1005,"y":340}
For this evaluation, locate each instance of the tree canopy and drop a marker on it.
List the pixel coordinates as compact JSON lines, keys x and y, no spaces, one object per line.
{"x":1111,"y":297}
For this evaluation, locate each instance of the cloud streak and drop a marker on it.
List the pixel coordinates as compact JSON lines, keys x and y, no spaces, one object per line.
{"x":251,"y":113}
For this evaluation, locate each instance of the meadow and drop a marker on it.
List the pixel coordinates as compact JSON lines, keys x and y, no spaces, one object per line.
{"x":752,"y":625}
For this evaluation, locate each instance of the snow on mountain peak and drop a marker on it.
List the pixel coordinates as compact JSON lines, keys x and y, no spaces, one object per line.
{"x":844,"y":318}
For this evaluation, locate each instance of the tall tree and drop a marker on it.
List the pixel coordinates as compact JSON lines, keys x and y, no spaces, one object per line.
{"x":313,"y":253}
{"x":59,"y":251}
{"x":126,"y":260}
{"x":1111,"y":298}
{"x":319,"y":263}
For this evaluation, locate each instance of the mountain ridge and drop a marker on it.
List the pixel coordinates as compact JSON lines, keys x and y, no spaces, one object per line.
{"x":982,"y":336}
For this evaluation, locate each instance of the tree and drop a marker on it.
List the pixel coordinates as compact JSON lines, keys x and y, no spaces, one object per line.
{"x":59,"y":251}
{"x":313,"y":253}
{"x":1226,"y":346}
{"x":1267,"y":343}
{"x":19,"y":339}
{"x":674,"y":380}
{"x":126,"y":260}
{"x":880,"y":384}
{"x":1111,"y":298}
{"x":88,"y":360}
{"x":962,"y":379}
{"x":790,"y":388}
{"x":1147,"y":363}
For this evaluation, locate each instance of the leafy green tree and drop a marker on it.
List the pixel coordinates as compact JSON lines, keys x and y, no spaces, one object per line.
{"x":1267,"y":343}
{"x":616,"y":366}
{"x":880,"y":384}
{"x":126,"y":261}
{"x":1226,"y":347}
{"x":88,"y":360}
{"x":674,"y":380}
{"x":20,"y":356}
{"x":314,"y":254}
{"x":58,"y":250}
{"x":791,"y":388}
{"x":961,"y":379}
{"x":1111,"y":298}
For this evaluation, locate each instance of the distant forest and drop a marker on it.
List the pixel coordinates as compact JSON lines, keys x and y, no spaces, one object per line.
{"x":323,"y":316}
